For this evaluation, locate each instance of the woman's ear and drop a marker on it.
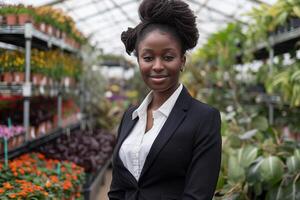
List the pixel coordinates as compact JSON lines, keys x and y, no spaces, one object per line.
{"x":183,"y":60}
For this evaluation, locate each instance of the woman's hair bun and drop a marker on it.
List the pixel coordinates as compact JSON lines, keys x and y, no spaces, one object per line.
{"x":129,"y":38}
{"x":174,"y":13}
{"x":155,"y":11}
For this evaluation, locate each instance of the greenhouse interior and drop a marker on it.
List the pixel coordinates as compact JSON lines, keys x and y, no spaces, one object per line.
{"x":66,"y":81}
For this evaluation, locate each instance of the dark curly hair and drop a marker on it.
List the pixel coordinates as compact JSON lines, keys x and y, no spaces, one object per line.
{"x":171,"y":16}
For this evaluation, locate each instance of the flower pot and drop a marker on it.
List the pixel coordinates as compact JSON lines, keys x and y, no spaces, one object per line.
{"x":23,"y":18}
{"x":10,"y":144}
{"x":50,"y":81}
{"x":11,"y":19}
{"x":57,"y":33}
{"x":48,"y":126}
{"x":63,"y":35}
{"x":36,"y":79}
{"x":32,"y":132}
{"x":42,"y":27}
{"x":66,"y":81}
{"x":44,"y":80}
{"x":7,"y":77}
{"x":42,"y":129}
{"x":2,"y":20}
{"x":49,"y":30}
{"x":20,"y":139}
{"x":18,"y":77}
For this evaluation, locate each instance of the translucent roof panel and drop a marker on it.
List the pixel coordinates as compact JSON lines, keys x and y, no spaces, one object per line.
{"x":104,"y":20}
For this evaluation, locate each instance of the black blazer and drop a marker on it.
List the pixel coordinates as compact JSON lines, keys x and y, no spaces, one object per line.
{"x":184,"y":160}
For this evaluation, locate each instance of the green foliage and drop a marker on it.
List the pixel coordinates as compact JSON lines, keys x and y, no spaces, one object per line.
{"x":287,"y":83}
{"x":257,"y":161}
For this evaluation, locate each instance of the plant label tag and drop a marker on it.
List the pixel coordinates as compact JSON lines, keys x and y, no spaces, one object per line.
{"x":27,"y":89}
{"x":28,"y":30}
{"x":42,"y":89}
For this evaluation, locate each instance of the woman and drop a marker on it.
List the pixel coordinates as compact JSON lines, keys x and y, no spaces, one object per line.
{"x":170,"y":146}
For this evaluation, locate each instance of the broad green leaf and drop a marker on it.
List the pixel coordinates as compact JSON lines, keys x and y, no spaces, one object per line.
{"x":236,"y":172}
{"x":271,"y":170}
{"x":293,"y":164}
{"x":258,"y":188}
{"x":260,"y":123}
{"x":292,"y":191}
{"x":276,"y":193}
{"x":297,"y":153}
{"x":246,"y":155}
{"x":253,"y":175}
{"x":221,"y":181}
{"x":235,"y":141}
{"x":296,"y":10}
{"x":248,"y":134}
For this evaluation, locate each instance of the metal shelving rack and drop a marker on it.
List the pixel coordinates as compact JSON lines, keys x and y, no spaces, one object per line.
{"x":280,"y":43}
{"x":14,"y":35}
{"x":28,"y":37}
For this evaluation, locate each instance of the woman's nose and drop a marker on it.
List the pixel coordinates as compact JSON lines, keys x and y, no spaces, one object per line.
{"x":158,"y":65}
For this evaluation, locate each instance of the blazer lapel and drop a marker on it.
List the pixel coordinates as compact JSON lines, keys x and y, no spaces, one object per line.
{"x":125,"y":132}
{"x":175,"y":118}
{"x":123,"y":135}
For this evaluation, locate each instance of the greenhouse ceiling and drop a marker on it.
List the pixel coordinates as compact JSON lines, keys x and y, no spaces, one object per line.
{"x":104,"y":20}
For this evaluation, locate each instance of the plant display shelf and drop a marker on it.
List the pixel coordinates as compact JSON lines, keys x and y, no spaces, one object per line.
{"x":15,"y":35}
{"x":91,"y":188}
{"x":32,"y":144}
{"x":11,"y":89}
{"x":280,"y":43}
{"x":17,"y":89}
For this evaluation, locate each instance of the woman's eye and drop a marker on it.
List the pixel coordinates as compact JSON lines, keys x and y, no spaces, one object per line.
{"x":147,"y":58}
{"x":168,"y":58}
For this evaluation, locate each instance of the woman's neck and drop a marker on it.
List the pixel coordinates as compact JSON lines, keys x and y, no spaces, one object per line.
{"x":160,"y":97}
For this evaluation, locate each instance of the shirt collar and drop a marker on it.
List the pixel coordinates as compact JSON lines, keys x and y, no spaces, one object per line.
{"x":165,"y":108}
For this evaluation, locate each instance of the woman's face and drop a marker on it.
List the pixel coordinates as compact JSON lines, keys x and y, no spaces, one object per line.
{"x":160,"y":60}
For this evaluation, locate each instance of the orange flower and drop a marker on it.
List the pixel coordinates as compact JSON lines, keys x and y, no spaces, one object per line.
{"x":48,"y":184}
{"x":54,"y":179}
{"x":40,"y":156}
{"x":2,"y":190}
{"x":22,"y":193}
{"x":7,"y":186}
{"x":67,"y":185}
{"x":21,"y":171}
{"x":12,"y":196}
{"x":75,"y":177}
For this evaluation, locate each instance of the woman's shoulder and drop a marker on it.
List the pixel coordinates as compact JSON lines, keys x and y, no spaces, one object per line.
{"x":203,"y":108}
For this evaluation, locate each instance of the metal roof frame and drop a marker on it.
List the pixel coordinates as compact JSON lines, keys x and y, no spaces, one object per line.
{"x":211,"y":16}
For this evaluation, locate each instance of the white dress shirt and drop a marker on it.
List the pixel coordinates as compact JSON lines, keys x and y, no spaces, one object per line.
{"x":136,"y":146}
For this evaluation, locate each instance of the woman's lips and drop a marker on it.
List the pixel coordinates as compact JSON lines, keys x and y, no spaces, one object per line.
{"x":158,"y":79}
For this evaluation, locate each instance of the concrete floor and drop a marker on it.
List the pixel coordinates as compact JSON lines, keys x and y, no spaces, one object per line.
{"x":104,"y":188}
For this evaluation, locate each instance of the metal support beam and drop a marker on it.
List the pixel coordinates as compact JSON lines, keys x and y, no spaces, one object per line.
{"x":123,"y":12}
{"x":201,"y":7}
{"x":259,"y":2}
{"x":217,"y":11}
{"x":80,"y":6}
{"x":27,"y":86}
{"x":55,"y":2}
{"x":80,"y":20}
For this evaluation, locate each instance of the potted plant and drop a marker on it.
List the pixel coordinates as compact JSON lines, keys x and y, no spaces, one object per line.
{"x":24,"y":14}
{"x":10,"y":13}
{"x":6,"y":62}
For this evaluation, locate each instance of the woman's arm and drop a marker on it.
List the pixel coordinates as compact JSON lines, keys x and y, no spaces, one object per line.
{"x":203,"y":172}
